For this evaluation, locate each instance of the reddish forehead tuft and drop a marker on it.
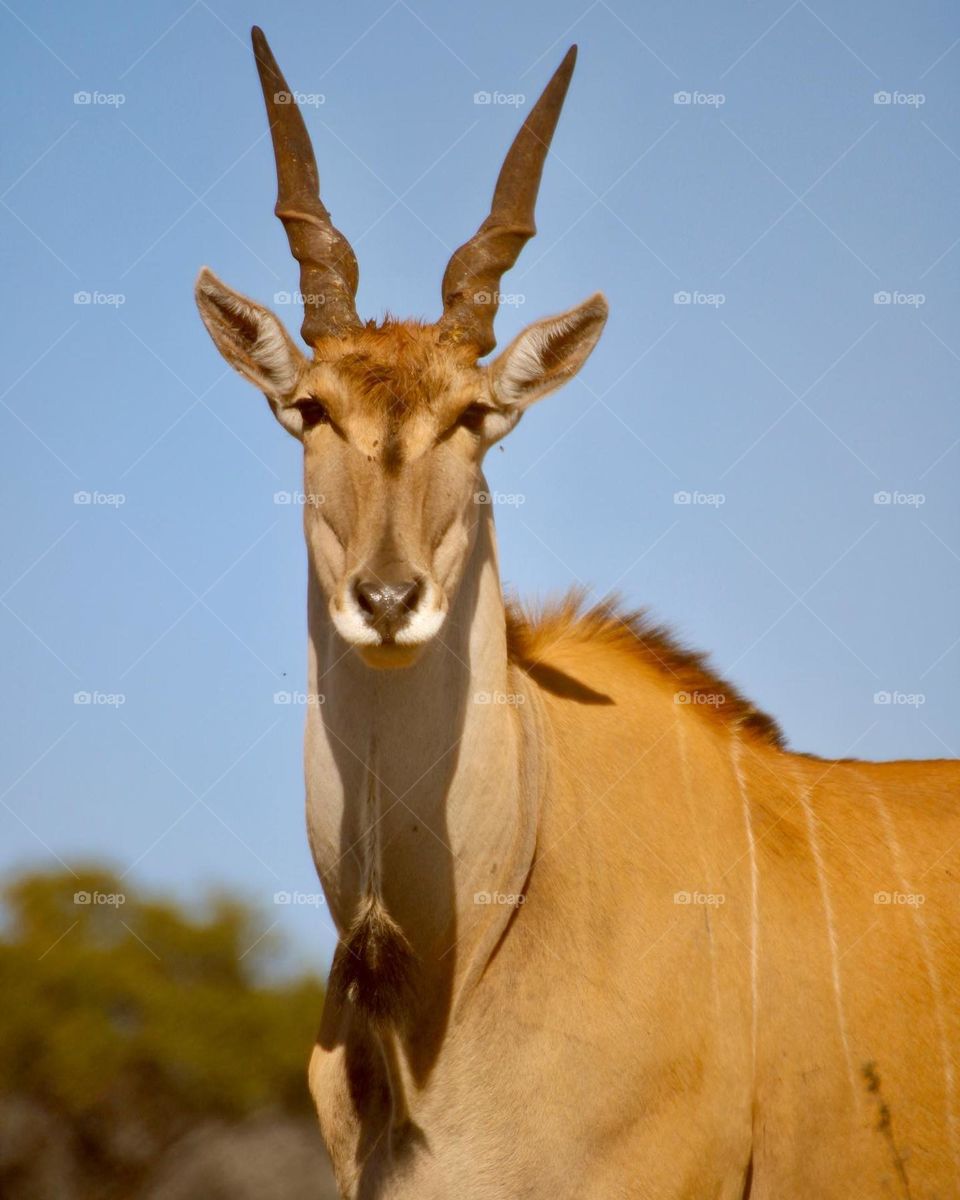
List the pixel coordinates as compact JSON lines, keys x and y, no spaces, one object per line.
{"x":398,"y":368}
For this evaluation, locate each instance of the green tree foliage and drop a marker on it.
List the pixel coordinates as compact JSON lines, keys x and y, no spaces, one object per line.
{"x":140,"y":1010}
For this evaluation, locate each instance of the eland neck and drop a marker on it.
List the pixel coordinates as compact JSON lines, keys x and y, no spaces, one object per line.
{"x":421,"y":797}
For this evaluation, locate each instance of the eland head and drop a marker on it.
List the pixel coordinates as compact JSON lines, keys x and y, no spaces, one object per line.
{"x":395,"y":416}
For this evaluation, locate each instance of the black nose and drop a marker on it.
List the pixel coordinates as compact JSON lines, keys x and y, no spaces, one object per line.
{"x":386,"y":604}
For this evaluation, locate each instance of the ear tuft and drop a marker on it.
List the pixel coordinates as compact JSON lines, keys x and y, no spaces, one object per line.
{"x":248,"y":336}
{"x":549,"y":353}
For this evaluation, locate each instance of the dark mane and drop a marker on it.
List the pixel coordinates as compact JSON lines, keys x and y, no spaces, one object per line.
{"x":530,"y":637}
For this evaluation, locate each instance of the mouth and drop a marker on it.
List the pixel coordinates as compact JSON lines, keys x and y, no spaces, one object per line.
{"x":390,"y":656}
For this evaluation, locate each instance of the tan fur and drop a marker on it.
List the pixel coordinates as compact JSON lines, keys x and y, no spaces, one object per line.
{"x":600,"y":934}
{"x":686,"y":673}
{"x":605,"y":1048}
{"x":396,"y":366}
{"x":683,"y":985}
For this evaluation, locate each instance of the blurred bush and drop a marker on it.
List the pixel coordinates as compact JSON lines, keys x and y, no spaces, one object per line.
{"x":137,"y":1041}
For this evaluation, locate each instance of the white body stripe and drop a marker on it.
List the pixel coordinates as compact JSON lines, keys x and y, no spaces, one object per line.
{"x":949,"y":1075}
{"x":754,"y":901}
{"x":811,"y":819}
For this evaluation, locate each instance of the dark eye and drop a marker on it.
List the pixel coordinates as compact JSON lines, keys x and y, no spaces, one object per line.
{"x":472,"y":418}
{"x":313,"y":413}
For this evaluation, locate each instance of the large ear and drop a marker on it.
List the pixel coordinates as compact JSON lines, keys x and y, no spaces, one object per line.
{"x":250,"y":338}
{"x":545,"y":355}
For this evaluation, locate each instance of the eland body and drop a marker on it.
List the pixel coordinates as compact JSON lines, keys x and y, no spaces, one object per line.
{"x":600,"y":934}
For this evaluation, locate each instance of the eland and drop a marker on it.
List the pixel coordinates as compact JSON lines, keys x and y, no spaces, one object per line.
{"x":600,"y":933}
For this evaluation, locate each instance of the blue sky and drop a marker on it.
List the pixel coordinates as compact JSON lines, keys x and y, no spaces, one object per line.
{"x":785,"y":200}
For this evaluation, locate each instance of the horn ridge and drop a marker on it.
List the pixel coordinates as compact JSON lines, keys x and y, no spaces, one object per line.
{"x":329,"y":273}
{"x":471,"y":281}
